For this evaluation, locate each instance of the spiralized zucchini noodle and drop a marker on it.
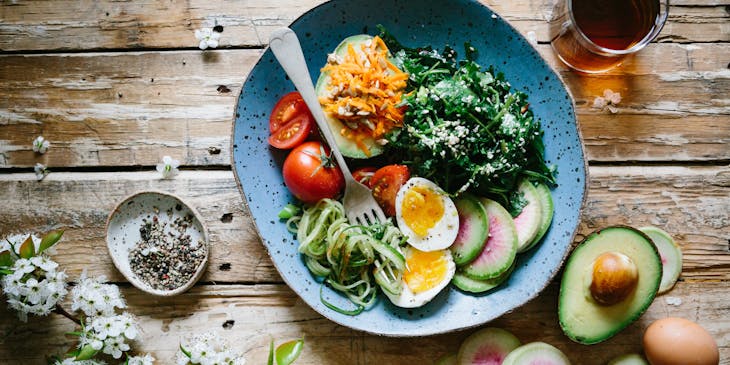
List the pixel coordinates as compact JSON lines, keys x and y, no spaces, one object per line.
{"x":352,"y":259}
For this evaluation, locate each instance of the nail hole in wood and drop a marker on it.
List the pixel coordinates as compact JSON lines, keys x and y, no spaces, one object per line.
{"x":214,"y":150}
{"x":228,"y":324}
{"x":218,"y":28}
{"x":223,"y":89}
{"x":225,"y":266}
{"x":227,"y":218}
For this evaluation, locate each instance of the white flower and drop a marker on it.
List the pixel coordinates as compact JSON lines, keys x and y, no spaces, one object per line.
{"x":31,"y":289}
{"x":109,"y":334}
{"x":599,"y":102}
{"x":24,"y":266}
{"x":73,"y":361}
{"x":612,"y":97}
{"x":95,"y":298}
{"x":115,"y":346}
{"x":207,"y":38}
{"x":40,"y":171}
{"x":44,"y":263}
{"x":608,"y":101}
{"x":41,"y":145}
{"x":168,"y":167}
{"x":208,"y":348}
{"x":147,"y":359}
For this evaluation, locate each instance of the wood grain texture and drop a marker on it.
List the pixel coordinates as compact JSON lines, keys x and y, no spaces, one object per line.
{"x":690,"y":203}
{"x":260,"y":312}
{"x":133,"y":87}
{"x":87,"y":25}
{"x":131,"y":108}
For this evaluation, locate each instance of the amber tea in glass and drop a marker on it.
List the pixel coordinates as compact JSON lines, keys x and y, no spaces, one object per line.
{"x":596,"y":35}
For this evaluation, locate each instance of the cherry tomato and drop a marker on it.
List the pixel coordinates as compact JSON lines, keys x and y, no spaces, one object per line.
{"x":385,"y":184}
{"x":293,"y":133}
{"x":290,"y":122}
{"x":364,"y":175}
{"x":288,"y":107}
{"x":311,"y":175}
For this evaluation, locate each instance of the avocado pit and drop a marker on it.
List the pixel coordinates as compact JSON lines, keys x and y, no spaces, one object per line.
{"x":614,"y":277}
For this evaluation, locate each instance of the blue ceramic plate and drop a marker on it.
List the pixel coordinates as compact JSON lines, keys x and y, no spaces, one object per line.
{"x":415,"y":23}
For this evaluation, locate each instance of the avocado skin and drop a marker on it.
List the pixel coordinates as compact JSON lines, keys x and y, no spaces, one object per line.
{"x":650,"y":269}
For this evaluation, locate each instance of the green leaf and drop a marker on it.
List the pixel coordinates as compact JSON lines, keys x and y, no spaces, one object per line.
{"x":6,"y":259}
{"x":77,"y":334}
{"x":27,"y":248}
{"x":6,"y":271}
{"x":50,"y":239}
{"x":74,"y":353}
{"x":184,"y":351}
{"x":86,"y":353}
{"x":271,"y":353}
{"x":288,"y":352}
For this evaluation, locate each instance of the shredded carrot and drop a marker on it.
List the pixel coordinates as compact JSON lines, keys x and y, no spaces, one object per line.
{"x":364,"y":92}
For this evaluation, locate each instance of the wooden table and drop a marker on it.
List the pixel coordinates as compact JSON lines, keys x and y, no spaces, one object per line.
{"x":116,"y":85}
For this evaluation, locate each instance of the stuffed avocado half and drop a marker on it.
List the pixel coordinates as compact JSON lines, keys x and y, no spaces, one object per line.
{"x":360,"y":92}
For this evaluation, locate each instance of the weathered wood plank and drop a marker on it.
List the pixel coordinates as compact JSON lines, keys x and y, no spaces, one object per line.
{"x":84,"y":25}
{"x":261,"y":312}
{"x":691,"y":203}
{"x":128,"y":109}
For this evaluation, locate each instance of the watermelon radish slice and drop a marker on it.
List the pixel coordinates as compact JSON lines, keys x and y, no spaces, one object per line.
{"x":536,"y":353}
{"x":449,"y":359}
{"x":528,"y":221}
{"x":468,"y":284}
{"x":488,"y":346}
{"x":548,"y":209}
{"x":501,"y":246}
{"x":670,"y":254}
{"x":629,"y":359}
{"x":473,"y":230}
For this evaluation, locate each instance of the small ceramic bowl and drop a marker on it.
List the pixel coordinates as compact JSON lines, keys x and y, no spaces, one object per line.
{"x":123,"y":233}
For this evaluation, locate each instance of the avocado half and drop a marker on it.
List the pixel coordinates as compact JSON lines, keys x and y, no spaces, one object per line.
{"x":347,"y":147}
{"x":582,"y":317}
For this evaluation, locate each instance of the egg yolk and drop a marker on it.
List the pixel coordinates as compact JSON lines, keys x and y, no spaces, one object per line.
{"x":421,"y":209}
{"x":424,"y":270}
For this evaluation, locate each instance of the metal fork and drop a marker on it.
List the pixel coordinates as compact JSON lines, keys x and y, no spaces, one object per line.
{"x":360,"y":206}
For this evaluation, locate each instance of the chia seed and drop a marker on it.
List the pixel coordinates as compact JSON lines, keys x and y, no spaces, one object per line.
{"x":166,"y":259}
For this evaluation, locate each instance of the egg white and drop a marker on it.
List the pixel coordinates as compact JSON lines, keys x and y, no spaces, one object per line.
{"x":408,"y":299}
{"x":443,"y":233}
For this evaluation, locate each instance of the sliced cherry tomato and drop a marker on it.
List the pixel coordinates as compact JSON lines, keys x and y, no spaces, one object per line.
{"x":288,"y":107}
{"x":293,"y":133}
{"x":364,"y":175}
{"x":311,"y":175}
{"x":385,"y":184}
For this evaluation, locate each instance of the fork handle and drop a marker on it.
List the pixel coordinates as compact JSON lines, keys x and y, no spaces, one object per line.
{"x":287,"y":50}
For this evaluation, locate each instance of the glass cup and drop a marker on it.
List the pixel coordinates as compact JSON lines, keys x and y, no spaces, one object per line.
{"x":596,"y":35}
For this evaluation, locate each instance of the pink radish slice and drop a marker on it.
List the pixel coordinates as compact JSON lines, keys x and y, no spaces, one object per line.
{"x":488,"y":346}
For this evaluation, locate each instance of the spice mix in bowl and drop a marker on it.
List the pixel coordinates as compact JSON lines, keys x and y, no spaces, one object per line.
{"x":157,"y":242}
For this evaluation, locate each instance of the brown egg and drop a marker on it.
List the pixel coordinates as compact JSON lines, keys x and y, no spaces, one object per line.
{"x":677,"y":341}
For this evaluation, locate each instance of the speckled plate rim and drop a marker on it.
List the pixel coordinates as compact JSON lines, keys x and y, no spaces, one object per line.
{"x":529,"y":298}
{"x":134,"y":281}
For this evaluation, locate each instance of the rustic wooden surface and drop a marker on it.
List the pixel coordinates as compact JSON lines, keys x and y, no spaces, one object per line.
{"x":116,"y":85}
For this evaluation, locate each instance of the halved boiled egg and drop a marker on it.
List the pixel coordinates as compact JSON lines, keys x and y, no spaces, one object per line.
{"x":426,"y":274}
{"x":426,"y":215}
